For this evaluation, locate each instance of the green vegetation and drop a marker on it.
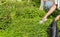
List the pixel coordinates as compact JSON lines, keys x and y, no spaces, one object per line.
{"x":21,"y":19}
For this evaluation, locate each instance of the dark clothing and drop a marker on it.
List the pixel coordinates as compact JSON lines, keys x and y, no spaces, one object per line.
{"x":53,"y":29}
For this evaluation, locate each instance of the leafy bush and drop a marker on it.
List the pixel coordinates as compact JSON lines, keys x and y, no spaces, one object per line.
{"x":20,"y":19}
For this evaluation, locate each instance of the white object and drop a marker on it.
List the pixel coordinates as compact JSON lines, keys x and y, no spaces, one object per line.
{"x":42,"y":21}
{"x":58,"y":3}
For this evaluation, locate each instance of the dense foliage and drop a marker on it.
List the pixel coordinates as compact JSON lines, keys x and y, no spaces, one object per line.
{"x":21,"y":19}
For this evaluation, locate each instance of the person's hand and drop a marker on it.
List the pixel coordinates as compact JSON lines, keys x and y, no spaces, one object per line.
{"x":43,"y":20}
